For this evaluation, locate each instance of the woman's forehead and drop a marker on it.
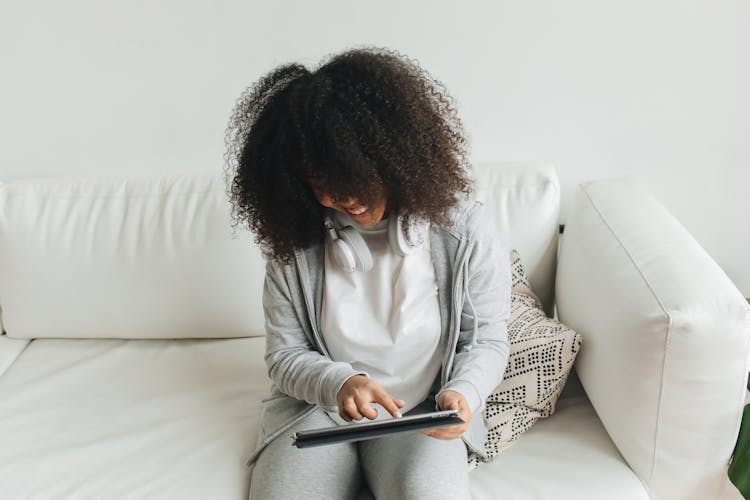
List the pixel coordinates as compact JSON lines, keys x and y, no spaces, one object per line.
{"x":337,"y":185}
{"x":317,"y":180}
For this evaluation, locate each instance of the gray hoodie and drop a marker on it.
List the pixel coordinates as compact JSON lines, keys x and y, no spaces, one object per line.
{"x":472,"y":266}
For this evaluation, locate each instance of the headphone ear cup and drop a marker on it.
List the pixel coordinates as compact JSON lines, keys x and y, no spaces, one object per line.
{"x":397,"y":239}
{"x":343,"y":255}
{"x":361,"y":253}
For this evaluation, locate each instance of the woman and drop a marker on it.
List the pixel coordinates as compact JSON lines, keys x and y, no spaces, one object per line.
{"x":387,"y":291}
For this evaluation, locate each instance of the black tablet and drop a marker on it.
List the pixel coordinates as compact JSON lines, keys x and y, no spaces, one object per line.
{"x":377,"y":428}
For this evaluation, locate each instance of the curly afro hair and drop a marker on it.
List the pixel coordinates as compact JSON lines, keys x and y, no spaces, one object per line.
{"x":366,"y":122}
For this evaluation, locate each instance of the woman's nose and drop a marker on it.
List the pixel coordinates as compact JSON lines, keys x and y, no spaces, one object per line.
{"x":326,"y":200}
{"x":346,"y":202}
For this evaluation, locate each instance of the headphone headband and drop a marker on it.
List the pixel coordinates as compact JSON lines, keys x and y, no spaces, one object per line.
{"x":352,"y":253}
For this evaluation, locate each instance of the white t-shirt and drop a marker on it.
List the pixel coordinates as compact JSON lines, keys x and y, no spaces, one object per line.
{"x":386,"y":321}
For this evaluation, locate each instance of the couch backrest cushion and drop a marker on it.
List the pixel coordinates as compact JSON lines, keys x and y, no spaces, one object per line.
{"x":131,"y":257}
{"x":156,"y":257}
{"x":524,"y":200}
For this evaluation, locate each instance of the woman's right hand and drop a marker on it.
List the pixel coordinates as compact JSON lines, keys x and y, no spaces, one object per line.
{"x":358,"y":392}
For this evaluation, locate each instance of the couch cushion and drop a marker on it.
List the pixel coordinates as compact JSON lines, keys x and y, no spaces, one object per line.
{"x":567,"y":456}
{"x":523,"y":200}
{"x":90,"y":418}
{"x":136,"y":257}
{"x":10,"y":350}
{"x":155,"y":257}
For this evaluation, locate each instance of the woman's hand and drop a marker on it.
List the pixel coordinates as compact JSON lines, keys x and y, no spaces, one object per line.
{"x":358,"y":392}
{"x":451,"y":400}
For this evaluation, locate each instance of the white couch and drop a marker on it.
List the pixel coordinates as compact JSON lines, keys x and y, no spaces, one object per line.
{"x":132,"y":363}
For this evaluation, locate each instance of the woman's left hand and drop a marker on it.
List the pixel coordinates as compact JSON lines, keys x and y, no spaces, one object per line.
{"x":451,"y":400}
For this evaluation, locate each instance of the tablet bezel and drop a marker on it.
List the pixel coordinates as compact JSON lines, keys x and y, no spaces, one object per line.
{"x":374,"y":429}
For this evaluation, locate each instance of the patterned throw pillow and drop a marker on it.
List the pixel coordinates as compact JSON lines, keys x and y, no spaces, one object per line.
{"x":542,"y":352}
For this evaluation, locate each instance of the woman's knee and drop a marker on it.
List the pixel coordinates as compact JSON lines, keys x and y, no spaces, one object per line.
{"x":416,"y":466}
{"x":284,"y":471}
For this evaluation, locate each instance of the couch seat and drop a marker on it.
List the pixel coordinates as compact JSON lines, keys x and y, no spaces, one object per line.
{"x":568,"y":456}
{"x":110,"y":418}
{"x":137,"y":419}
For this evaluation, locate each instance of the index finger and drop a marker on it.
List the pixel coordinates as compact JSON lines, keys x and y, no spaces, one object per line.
{"x":388,"y":402}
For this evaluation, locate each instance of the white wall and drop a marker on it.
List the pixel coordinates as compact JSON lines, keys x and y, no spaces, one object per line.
{"x":654,"y":89}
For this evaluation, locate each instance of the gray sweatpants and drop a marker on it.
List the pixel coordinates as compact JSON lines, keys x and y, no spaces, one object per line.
{"x":407,"y":465}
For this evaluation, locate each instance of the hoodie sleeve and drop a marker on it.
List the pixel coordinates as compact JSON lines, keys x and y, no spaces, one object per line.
{"x":294,"y":364}
{"x":480,"y":360}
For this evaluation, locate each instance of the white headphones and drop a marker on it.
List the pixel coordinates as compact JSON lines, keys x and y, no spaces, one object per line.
{"x":351,"y":252}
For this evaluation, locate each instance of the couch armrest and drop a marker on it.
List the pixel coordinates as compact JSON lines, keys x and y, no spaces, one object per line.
{"x":666,"y":337}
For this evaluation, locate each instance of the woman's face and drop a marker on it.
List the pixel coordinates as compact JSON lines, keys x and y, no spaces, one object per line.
{"x":361,"y":214}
